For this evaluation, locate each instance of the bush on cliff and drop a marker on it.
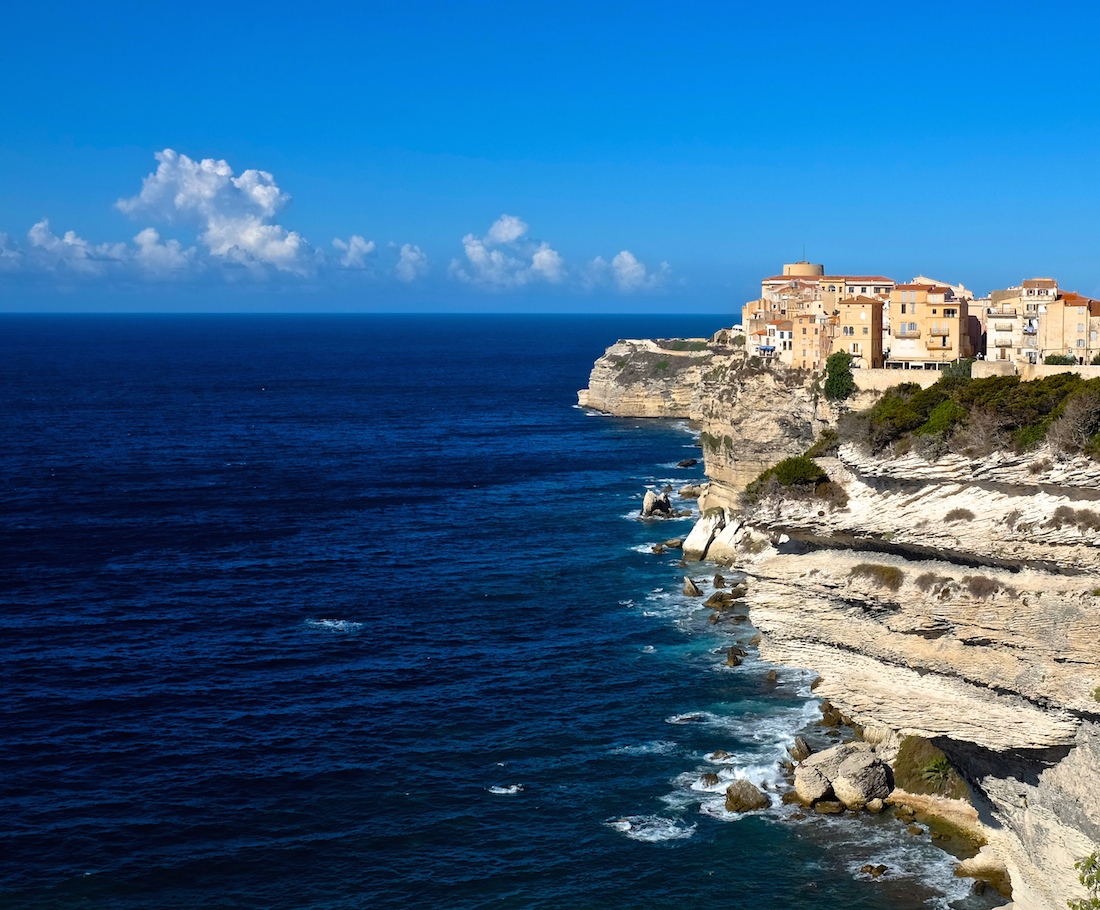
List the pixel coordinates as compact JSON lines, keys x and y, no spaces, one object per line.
{"x":800,"y":476}
{"x":922,"y":768}
{"x":839,"y":382}
{"x":885,"y":576}
{"x":975,"y":417}
{"x":1088,"y":873}
{"x":1060,"y":360}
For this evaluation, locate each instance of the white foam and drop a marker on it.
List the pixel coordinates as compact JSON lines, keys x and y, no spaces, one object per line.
{"x":506,"y":791}
{"x":651,"y":828}
{"x":648,"y":649}
{"x":333,"y":625}
{"x":656,"y":747}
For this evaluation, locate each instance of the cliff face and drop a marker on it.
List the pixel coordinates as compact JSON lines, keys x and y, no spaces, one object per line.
{"x":957,"y":600}
{"x":953,"y":601}
{"x":642,"y":379}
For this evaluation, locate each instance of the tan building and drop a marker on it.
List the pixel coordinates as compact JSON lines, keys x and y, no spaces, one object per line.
{"x":1010,"y":320}
{"x":859,"y":331}
{"x":1069,"y":324}
{"x":929,"y":327}
{"x":812,"y":341}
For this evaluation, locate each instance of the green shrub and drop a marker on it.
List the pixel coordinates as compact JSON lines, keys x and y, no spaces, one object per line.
{"x":1060,"y":360}
{"x":922,"y":768}
{"x":738,"y":341}
{"x":926,"y":581}
{"x":681,"y":344}
{"x":1088,"y":872}
{"x":799,"y":471}
{"x":1095,"y":362}
{"x":959,"y":369}
{"x":826,"y":444}
{"x":839,"y":382}
{"x":661,"y":365}
{"x":885,"y":576}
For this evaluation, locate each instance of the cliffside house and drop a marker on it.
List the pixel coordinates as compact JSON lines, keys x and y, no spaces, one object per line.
{"x":1069,"y":324}
{"x":859,"y":330}
{"x":929,"y":327}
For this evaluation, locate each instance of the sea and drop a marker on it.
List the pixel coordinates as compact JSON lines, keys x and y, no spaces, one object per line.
{"x":320,"y":612}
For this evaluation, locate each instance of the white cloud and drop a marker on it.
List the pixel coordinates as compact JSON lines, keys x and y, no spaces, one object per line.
{"x":626,"y":274}
{"x":356,"y":250}
{"x":11,"y":257}
{"x":233,"y":214}
{"x":412,"y":262}
{"x":162,"y":259}
{"x":72,"y":252}
{"x":506,"y":258}
{"x":506,"y":229}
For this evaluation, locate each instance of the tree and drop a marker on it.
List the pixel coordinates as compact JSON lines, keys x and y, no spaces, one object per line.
{"x":1089,"y":873}
{"x":1060,"y":360}
{"x":1095,"y":361}
{"x":839,"y":382}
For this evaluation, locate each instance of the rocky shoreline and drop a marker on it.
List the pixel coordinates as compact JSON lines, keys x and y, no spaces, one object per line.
{"x":954,"y":601}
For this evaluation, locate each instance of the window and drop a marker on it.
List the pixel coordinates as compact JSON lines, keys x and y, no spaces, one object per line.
{"x":803,"y":330}
{"x":849,"y":330}
{"x":1080,"y":311}
{"x":863,"y":290}
{"x":933,"y":311}
{"x":815,"y":330}
{"x":1080,"y":327}
{"x":866,"y":330}
{"x":903,"y":309}
{"x":912,"y":326}
{"x":1080,"y":342}
{"x":950,"y":314}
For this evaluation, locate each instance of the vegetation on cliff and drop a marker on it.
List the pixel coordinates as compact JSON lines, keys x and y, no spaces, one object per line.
{"x":801,"y":477}
{"x":839,"y":381}
{"x":975,"y":417}
{"x":922,"y":768}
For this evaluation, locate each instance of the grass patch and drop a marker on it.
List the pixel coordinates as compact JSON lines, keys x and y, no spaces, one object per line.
{"x":922,"y":768}
{"x":681,"y":344}
{"x":661,"y":365}
{"x":825,"y":444}
{"x":885,"y":576}
{"x":981,"y":586}
{"x":959,"y":515}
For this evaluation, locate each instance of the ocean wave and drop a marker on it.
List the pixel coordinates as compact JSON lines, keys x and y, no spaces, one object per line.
{"x":506,"y":791}
{"x":347,"y":626}
{"x":651,"y":828}
{"x":648,"y":649}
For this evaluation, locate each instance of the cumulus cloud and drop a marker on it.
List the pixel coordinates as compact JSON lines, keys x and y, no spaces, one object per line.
{"x":507,"y":258}
{"x":72,"y":252}
{"x":233,"y":214}
{"x":412,"y":262}
{"x":11,"y":257}
{"x":161,"y":259}
{"x":356,"y":251}
{"x":626,"y":274}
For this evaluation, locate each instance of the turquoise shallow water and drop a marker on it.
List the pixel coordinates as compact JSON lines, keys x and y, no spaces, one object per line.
{"x":349,"y":612}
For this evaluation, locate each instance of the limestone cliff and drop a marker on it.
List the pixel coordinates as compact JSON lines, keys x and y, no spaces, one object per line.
{"x":957,"y":600}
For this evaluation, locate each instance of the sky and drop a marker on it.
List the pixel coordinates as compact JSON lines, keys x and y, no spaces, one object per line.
{"x":575,"y":157}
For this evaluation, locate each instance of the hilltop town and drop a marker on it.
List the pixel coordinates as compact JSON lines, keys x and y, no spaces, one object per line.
{"x":803,"y":315}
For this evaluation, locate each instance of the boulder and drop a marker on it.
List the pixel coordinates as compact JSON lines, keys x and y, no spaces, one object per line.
{"x":658,"y":549}
{"x":860,"y":778}
{"x":656,"y":505}
{"x":674,"y":543}
{"x":718,"y":755}
{"x":691,"y":589}
{"x":915,"y":830}
{"x":733,"y":659}
{"x":811,"y":785}
{"x":719,"y":600}
{"x":691,"y":491}
{"x":719,"y":581}
{"x":828,"y":807}
{"x":688,"y":463}
{"x":745,"y":796}
{"x":801,"y":750}
{"x":772,"y":677}
{"x":875,"y":805}
{"x":709,"y":779}
{"x":827,"y":762}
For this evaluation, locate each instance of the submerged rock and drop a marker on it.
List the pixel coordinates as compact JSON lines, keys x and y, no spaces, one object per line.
{"x":674,"y":543}
{"x":719,"y":581}
{"x":691,"y":589}
{"x":688,"y":463}
{"x":709,"y":779}
{"x":745,"y":796}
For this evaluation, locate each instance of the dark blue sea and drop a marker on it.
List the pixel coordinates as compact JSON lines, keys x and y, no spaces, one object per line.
{"x":356,"y":612}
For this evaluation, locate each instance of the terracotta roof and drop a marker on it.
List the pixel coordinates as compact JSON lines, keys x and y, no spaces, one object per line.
{"x":860,"y":300}
{"x":858,"y":279}
{"x":1040,"y":283}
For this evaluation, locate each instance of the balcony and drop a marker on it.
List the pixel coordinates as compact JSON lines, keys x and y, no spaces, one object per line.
{"x":905,"y":333}
{"x":939,"y":344}
{"x":1003,"y":327}
{"x":1030,"y":330}
{"x":1002,"y":342}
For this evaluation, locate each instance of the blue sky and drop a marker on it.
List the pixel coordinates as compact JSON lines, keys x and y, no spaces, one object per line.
{"x":502,"y":156}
